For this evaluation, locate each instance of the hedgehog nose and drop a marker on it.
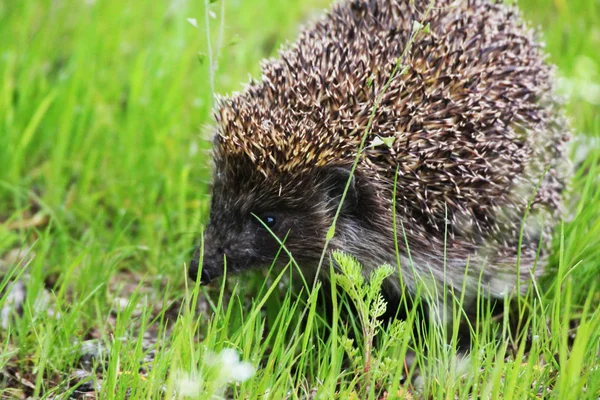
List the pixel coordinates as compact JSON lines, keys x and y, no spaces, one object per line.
{"x":205,"y":277}
{"x":209,"y":270}
{"x":193,"y":270}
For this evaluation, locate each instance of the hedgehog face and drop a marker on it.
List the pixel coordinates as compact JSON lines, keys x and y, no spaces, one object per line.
{"x":252,"y":217}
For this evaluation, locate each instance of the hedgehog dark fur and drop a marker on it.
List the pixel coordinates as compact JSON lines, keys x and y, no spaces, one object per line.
{"x":469,"y":127}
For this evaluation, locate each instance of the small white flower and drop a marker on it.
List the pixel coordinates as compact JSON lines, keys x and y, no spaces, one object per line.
{"x":219,"y":370}
{"x":229,"y":357}
{"x":242,"y":371}
{"x":189,"y":385}
{"x":193,"y":22}
{"x":230,"y":368}
{"x":417,"y":25}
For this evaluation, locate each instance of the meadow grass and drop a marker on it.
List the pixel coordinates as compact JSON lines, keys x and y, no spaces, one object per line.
{"x":104,"y":184}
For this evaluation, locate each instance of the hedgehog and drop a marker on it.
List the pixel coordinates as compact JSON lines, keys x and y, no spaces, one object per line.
{"x":430,"y":133}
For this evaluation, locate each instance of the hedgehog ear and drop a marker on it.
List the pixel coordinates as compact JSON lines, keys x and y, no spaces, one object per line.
{"x":336,"y":181}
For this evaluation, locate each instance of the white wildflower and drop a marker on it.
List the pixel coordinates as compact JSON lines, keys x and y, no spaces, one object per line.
{"x":193,"y":22}
{"x":219,"y":370}
{"x":189,"y":385}
{"x":229,"y":367}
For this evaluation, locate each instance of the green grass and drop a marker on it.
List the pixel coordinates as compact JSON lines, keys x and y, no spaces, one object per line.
{"x":104,"y":170}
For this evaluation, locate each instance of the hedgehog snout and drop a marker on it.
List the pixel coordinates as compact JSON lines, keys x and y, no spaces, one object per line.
{"x":210,"y":265}
{"x":193,"y":268}
{"x":205,"y":277}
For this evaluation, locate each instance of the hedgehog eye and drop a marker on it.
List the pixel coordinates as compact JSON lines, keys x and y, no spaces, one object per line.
{"x":268,"y":220}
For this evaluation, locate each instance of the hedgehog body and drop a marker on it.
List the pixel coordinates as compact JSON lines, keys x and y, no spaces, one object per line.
{"x":451,"y":110}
